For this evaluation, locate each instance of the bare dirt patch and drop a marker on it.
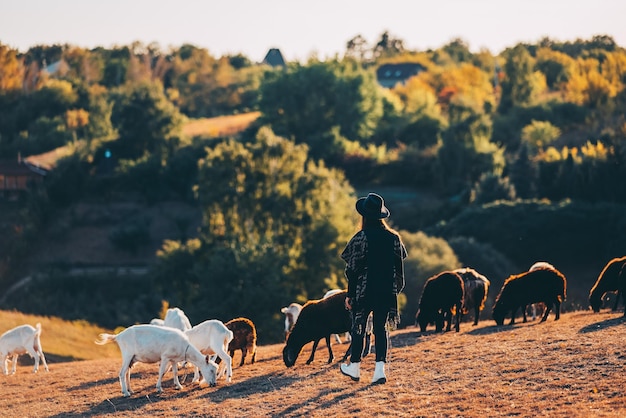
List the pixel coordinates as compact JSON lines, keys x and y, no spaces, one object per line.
{"x":573,"y":367}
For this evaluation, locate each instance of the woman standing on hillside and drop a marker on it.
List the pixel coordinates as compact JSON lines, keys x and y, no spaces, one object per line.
{"x":374,"y":260}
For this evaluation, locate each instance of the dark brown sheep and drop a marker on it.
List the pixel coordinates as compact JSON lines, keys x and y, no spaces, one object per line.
{"x":612,"y":278}
{"x":442,"y":294}
{"x":476,"y":287}
{"x":541,"y":285}
{"x":244,"y":338}
{"x":318,"y":319}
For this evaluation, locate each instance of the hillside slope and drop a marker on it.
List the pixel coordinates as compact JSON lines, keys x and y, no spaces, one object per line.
{"x":573,"y":367}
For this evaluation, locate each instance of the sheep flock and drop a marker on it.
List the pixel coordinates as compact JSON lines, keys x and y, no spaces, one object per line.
{"x":209,"y":346}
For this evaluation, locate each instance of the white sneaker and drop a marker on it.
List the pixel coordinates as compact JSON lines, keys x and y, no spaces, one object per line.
{"x":379,"y":373}
{"x":353,"y":370}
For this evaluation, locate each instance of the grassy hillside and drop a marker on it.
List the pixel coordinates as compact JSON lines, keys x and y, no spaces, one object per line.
{"x":61,"y":340}
{"x":573,"y":367}
{"x":219,"y":126}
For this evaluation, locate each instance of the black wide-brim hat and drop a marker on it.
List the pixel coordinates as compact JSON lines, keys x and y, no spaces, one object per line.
{"x":372,"y":206}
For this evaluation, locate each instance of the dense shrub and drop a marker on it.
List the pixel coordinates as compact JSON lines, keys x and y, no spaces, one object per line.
{"x":107,"y":299}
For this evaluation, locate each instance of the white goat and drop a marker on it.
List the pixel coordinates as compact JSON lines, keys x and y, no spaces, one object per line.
{"x":151,"y":344}
{"x":291,"y":316}
{"x":21,"y":340}
{"x":212,"y":337}
{"x":176,"y":318}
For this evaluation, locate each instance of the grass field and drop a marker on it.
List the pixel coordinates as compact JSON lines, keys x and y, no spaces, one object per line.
{"x":573,"y":367}
{"x":219,"y":126}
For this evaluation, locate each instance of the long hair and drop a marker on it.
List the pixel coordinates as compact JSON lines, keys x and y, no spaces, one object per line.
{"x":377,"y":223}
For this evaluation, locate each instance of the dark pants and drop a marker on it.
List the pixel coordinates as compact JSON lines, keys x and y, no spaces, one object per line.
{"x":380,"y":337}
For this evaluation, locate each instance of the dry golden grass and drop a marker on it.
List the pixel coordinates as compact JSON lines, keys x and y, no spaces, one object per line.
{"x":573,"y":367}
{"x":219,"y":126}
{"x":61,"y":340}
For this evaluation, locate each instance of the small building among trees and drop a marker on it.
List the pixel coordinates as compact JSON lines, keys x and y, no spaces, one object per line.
{"x":388,"y":75}
{"x":274,"y":58}
{"x":17,"y":177}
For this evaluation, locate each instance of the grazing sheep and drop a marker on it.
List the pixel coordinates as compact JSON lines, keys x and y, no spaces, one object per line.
{"x":541,"y":265}
{"x":476,"y":287}
{"x":244,"y":338}
{"x":21,"y":340}
{"x":318,"y":319}
{"x":538,"y":308}
{"x":442,"y":294}
{"x":293,"y":310}
{"x":612,"y":278}
{"x":152,"y":344}
{"x":212,"y":337}
{"x":347,"y":335}
{"x":176,"y":318}
{"x":543,"y":285}
{"x":291,"y":316}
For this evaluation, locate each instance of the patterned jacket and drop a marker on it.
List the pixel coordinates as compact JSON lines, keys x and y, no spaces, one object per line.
{"x":374,"y":260}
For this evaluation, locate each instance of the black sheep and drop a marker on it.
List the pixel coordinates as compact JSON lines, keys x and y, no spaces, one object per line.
{"x":476,"y":287}
{"x":442,"y":293}
{"x":542,"y":285}
{"x":612,"y":278}
{"x":318,"y":319}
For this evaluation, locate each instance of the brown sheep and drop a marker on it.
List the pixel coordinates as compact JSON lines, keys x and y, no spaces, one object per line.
{"x":536,"y":309}
{"x":244,"y":338}
{"x":319,"y":318}
{"x":612,"y":278}
{"x":541,"y":285}
{"x":476,"y":287}
{"x":442,"y":294}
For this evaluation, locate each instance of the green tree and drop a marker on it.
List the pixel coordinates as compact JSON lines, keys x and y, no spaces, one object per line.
{"x":11,"y":70}
{"x":145,"y":120}
{"x":491,"y":187}
{"x":357,"y":48}
{"x":466,"y":150}
{"x":556,"y":66}
{"x":388,"y":46}
{"x":458,"y":50}
{"x":521,"y":84}
{"x":540,"y":134}
{"x":310,"y":100}
{"x":100,"y":111}
{"x":270,"y":195}
{"x":274,"y":224}
{"x":523,"y":173}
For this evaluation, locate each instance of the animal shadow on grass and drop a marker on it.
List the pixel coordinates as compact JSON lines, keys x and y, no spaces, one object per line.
{"x":87,"y":385}
{"x":497,"y":328}
{"x":303,"y":408}
{"x":405,"y":339}
{"x":268,"y":382}
{"x":141,"y":397}
{"x":612,"y":322}
{"x":258,"y":360}
{"x":118,"y":404}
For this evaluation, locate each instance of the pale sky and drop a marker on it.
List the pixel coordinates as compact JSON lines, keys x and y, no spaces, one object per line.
{"x":302,"y":28}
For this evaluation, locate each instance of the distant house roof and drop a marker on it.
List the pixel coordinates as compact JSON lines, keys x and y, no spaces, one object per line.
{"x":388,"y":75}
{"x":274,"y":58}
{"x":15,"y":168}
{"x":59,"y":67}
{"x":48,"y":160}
